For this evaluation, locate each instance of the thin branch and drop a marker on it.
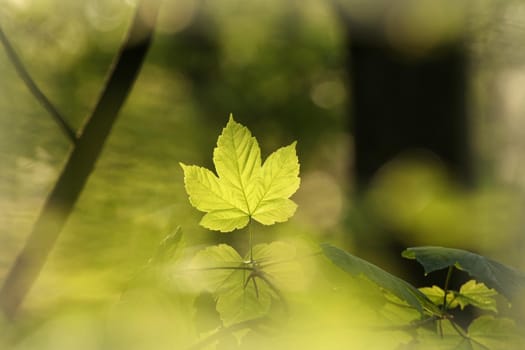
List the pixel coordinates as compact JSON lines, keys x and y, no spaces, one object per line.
{"x":35,"y":90}
{"x":81,"y":161}
{"x":447,"y":281}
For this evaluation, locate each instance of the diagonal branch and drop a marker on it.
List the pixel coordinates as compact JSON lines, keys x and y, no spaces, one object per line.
{"x":35,"y":90}
{"x":81,"y":161}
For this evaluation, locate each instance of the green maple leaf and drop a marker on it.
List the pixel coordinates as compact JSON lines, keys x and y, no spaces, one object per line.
{"x":436,"y":295}
{"x":478,"y":295}
{"x":244,"y":189}
{"x":245,"y":289}
{"x":470,"y":293}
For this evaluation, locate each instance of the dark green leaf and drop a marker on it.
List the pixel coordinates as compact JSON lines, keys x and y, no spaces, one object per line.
{"x":400,"y":288}
{"x":504,"y":279}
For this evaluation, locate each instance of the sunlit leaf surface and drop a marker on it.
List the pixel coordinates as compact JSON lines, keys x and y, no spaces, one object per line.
{"x":243,"y":188}
{"x":478,"y":295}
{"x":244,"y":288}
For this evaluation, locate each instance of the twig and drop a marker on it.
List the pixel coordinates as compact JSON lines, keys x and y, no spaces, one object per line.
{"x":80,"y":163}
{"x":35,"y":90}
{"x":447,"y":281}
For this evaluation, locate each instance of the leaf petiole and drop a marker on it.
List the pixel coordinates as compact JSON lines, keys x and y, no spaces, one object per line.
{"x":250,"y":241}
{"x":447,"y":281}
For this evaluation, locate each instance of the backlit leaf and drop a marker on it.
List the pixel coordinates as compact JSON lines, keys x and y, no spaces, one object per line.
{"x":244,"y":289}
{"x":470,"y":293}
{"x":478,"y":295}
{"x":436,"y":295}
{"x":244,"y":189}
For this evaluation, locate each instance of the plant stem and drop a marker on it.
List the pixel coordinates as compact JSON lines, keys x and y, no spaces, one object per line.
{"x":447,"y":281}
{"x":250,"y":240}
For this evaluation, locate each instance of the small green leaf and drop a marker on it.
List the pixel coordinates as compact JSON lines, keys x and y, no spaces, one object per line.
{"x":400,"y":288}
{"x":436,"y":295}
{"x":504,"y":279}
{"x":478,"y":295}
{"x":243,"y":188}
{"x":470,"y":293}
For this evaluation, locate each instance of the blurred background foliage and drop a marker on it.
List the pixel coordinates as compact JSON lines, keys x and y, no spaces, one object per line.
{"x":279,"y":67}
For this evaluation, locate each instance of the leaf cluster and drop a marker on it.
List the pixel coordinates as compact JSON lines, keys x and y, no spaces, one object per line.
{"x":433,"y":303}
{"x":247,"y":288}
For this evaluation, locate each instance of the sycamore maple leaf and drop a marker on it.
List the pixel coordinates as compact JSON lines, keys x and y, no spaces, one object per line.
{"x":244,"y":189}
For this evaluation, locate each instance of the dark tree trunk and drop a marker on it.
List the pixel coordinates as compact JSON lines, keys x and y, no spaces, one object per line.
{"x":402,"y":102}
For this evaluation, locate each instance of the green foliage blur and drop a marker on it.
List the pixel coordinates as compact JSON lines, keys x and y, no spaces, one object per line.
{"x":280,"y":73}
{"x":278,"y":67}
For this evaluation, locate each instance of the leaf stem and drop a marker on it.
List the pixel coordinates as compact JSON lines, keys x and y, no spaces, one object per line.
{"x":447,"y":281}
{"x":250,"y":240}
